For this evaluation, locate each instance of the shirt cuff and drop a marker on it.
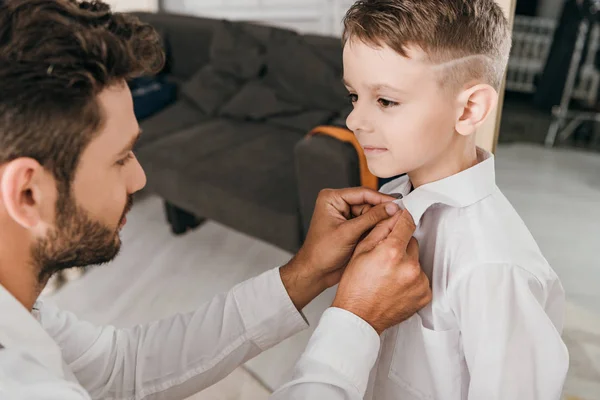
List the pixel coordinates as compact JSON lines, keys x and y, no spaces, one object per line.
{"x":267,"y":311}
{"x":347,"y":344}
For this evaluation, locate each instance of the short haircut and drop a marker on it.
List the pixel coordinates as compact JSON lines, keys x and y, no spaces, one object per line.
{"x":471,"y":37}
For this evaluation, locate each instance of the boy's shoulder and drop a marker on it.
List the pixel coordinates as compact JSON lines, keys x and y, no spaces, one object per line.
{"x":488,"y":232}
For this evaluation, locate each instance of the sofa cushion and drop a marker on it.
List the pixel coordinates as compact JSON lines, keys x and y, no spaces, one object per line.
{"x":256,"y":101}
{"x":302,"y":122}
{"x":263,"y":33}
{"x":174,"y":118}
{"x":248,"y":184}
{"x":312,"y":82}
{"x":188,"y":40}
{"x":210,"y":89}
{"x":234,"y":51}
{"x":259,"y":171}
{"x":186,"y":148}
{"x":329,"y":49}
{"x":151,"y":94}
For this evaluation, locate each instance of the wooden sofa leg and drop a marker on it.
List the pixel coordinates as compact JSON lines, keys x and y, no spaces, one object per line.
{"x":180,"y":220}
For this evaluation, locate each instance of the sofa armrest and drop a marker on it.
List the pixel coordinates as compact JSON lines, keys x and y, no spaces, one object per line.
{"x":323,"y":162}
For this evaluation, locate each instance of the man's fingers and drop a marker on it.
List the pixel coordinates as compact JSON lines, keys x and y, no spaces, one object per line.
{"x":357,"y":211}
{"x":403,"y":231}
{"x":351,"y":202}
{"x":329,"y":198}
{"x":412,"y":250}
{"x":379,"y":233}
{"x":358,"y":196}
{"x":427,"y":294}
{"x":353,"y":230}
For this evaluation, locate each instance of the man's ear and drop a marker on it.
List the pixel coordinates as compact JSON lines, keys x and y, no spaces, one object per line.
{"x":476,"y":103}
{"x":21,"y":188}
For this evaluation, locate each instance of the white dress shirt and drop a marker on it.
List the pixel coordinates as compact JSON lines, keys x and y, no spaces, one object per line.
{"x":493,"y":330}
{"x":51,"y":355}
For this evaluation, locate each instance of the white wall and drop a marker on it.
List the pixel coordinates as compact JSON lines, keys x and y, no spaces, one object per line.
{"x":314,"y":16}
{"x":134,"y":5}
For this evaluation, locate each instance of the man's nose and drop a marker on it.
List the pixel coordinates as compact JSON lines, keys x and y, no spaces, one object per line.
{"x":138,"y":177}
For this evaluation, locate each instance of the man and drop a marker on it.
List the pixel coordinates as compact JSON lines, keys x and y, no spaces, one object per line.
{"x":67,"y":176}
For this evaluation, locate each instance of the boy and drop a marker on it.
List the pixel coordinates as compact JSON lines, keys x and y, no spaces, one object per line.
{"x":423,"y":76}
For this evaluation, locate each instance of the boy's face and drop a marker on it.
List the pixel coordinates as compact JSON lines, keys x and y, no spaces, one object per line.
{"x":401,"y":117}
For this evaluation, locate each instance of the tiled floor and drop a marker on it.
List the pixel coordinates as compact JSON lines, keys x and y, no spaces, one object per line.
{"x":556,"y":192}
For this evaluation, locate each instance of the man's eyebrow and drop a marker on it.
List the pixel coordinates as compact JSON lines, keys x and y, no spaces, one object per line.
{"x":132,"y":143}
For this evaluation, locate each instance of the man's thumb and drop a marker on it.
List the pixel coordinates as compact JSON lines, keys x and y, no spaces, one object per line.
{"x":378,"y":234}
{"x":357,"y":227}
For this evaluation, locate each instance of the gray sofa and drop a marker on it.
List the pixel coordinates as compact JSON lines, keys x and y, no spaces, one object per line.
{"x":233,"y":147}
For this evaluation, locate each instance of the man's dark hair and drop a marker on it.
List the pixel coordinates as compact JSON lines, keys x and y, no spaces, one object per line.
{"x":56,"y":56}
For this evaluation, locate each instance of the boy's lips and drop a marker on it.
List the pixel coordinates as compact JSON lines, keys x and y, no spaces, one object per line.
{"x":373,"y":150}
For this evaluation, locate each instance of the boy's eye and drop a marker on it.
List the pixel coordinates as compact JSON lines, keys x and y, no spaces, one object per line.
{"x":123,"y":161}
{"x":387,"y":103}
{"x":353,"y":98}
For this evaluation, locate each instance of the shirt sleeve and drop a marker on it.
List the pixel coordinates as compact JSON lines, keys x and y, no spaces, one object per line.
{"x":511,"y":325}
{"x":337,"y":361}
{"x":179,"y":356}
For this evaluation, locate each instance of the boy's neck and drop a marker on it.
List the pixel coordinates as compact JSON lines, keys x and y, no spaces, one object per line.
{"x":460,"y":156}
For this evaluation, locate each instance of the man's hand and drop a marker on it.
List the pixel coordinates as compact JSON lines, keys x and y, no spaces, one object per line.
{"x":383,"y":283}
{"x":341,"y":218}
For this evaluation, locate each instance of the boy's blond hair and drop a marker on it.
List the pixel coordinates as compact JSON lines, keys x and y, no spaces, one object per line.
{"x":469,"y":39}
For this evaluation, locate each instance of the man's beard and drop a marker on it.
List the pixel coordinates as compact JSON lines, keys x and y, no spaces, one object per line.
{"x":76,"y":241}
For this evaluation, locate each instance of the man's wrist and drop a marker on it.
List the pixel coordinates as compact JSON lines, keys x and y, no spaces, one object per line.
{"x":301,"y":281}
{"x":361,"y":312}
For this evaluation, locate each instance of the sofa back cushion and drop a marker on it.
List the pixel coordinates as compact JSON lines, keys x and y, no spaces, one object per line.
{"x":187,"y":41}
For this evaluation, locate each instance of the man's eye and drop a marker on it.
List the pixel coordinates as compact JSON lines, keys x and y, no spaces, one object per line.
{"x":387,"y":103}
{"x":124,"y":161}
{"x":353,"y":98}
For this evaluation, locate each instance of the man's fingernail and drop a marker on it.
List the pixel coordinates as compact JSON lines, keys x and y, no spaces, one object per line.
{"x":392,"y":209}
{"x":397,"y":195}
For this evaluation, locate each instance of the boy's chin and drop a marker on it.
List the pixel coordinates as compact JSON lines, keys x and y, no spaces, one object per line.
{"x":384,"y":173}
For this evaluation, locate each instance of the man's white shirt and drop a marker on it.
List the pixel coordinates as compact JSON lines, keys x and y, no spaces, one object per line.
{"x":50,"y":354}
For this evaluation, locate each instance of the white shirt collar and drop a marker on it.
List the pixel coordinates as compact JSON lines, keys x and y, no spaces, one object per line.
{"x":21,"y":329}
{"x":460,"y":190}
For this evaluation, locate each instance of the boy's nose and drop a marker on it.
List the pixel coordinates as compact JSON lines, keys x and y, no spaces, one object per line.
{"x":351,"y":121}
{"x":356,"y":121}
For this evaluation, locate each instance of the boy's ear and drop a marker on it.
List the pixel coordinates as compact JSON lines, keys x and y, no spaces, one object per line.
{"x":476,"y":104}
